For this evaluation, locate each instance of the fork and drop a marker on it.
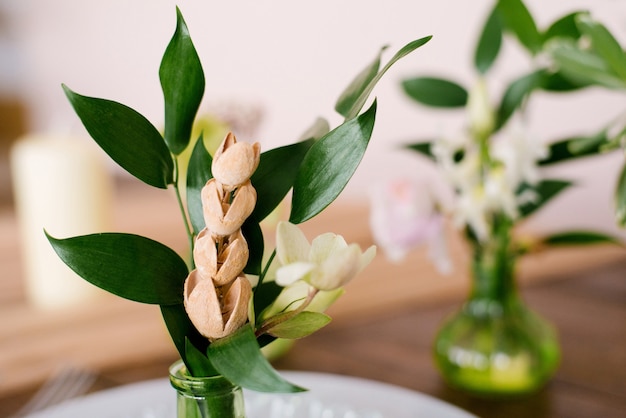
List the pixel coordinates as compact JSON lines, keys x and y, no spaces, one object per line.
{"x":68,"y":382}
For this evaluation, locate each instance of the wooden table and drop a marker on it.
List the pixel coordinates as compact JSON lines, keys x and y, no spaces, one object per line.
{"x":383,"y":327}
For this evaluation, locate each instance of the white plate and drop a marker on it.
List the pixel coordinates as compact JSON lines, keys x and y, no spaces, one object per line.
{"x":329,"y":396}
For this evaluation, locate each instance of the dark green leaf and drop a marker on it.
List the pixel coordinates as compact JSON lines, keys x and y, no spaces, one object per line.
{"x":253,"y":234}
{"x":201,"y":366}
{"x":182,"y":81}
{"x":546,"y":190}
{"x":437,"y":92}
{"x":127,"y":137}
{"x":275,"y":175}
{"x":620,"y":198}
{"x":198,"y":173}
{"x":579,"y":238}
{"x":303,"y":324}
{"x":424,"y":148}
{"x":571,"y":148}
{"x":489,"y":42}
{"x":183,"y":331}
{"x":126,"y":265}
{"x":516,"y":93}
{"x":329,"y":165}
{"x":351,"y":94}
{"x":239,"y":359}
{"x":264,"y":295}
{"x":520,"y":22}
{"x":359,"y":102}
{"x":556,"y":82}
{"x":564,"y":27}
{"x":605,"y":45}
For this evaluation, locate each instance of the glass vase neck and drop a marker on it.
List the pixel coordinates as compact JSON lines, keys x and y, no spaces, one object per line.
{"x":493,"y":267}
{"x":205,"y":397}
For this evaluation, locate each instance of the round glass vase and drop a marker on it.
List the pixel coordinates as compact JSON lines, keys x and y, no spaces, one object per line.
{"x":205,"y":397}
{"x":495,"y":345}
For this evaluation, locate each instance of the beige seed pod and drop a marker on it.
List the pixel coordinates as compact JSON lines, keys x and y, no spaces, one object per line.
{"x":234,"y":162}
{"x":213,"y":316}
{"x":232,"y":259}
{"x":224,"y":218}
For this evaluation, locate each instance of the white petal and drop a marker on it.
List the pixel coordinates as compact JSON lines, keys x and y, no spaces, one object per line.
{"x":338,"y":269}
{"x":367,"y":257}
{"x":293,"y":272}
{"x":324,"y":245}
{"x":291,"y":244}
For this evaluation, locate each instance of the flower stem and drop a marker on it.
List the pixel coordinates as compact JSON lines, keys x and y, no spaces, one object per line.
{"x":181,"y":207}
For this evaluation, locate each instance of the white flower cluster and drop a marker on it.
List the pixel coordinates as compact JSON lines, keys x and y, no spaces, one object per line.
{"x":488,"y":171}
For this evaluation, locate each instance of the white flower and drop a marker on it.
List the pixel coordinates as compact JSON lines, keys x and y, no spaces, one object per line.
{"x":519,"y":153}
{"x":471,"y":210}
{"x":500,"y":193}
{"x":405,"y":213}
{"x":326,"y":264}
{"x":479,"y":110}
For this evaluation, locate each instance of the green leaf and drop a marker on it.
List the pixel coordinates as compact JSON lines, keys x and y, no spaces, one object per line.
{"x":201,"y":366}
{"x":516,"y":93}
{"x":604,"y":44}
{"x":183,"y":332}
{"x":620,"y":198}
{"x":424,"y":148}
{"x":437,"y":92}
{"x":182,"y":81}
{"x":275,"y":176}
{"x":264,"y":295}
{"x":303,"y":324}
{"x":584,"y":67}
{"x":329,"y":165}
{"x":253,"y":234}
{"x":367,"y":89}
{"x":520,"y":22}
{"x":198,"y":173}
{"x":576,"y":147}
{"x":546,"y":190}
{"x":318,"y":129}
{"x":127,"y":137}
{"x":557,"y":82}
{"x":238,"y":358}
{"x":351,"y":94}
{"x":579,"y":238}
{"x":564,"y":27}
{"x":126,"y":265}
{"x":489,"y":43}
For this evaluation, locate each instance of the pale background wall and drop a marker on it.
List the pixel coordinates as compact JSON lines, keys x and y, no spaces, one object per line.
{"x":293,"y":58}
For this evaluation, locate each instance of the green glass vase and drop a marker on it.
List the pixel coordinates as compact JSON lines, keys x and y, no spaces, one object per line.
{"x":205,"y":397}
{"x":495,"y":345}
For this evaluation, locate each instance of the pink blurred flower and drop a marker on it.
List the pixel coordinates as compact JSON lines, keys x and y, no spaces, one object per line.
{"x":405,"y":213}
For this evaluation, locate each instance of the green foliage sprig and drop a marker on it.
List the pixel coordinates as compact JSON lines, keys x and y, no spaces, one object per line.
{"x":573,"y":53}
{"x":316,"y":169}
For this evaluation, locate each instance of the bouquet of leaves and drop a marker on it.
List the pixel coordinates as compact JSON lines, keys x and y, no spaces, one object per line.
{"x":493,"y":166}
{"x":228,"y":301}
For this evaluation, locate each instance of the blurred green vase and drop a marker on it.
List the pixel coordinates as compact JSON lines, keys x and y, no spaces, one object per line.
{"x":495,"y":345}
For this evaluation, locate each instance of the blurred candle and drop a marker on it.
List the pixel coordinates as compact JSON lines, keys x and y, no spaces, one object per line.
{"x":62,"y":185}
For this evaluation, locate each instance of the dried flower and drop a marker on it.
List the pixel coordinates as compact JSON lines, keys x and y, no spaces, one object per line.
{"x":217,"y":293}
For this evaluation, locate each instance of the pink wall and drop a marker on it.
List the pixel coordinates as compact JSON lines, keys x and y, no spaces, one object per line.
{"x":293,"y":58}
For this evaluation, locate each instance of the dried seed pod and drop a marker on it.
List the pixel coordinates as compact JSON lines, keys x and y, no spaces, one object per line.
{"x":231,"y":261}
{"x":214,"y":316}
{"x":234,"y":162}
{"x":223,"y":218}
